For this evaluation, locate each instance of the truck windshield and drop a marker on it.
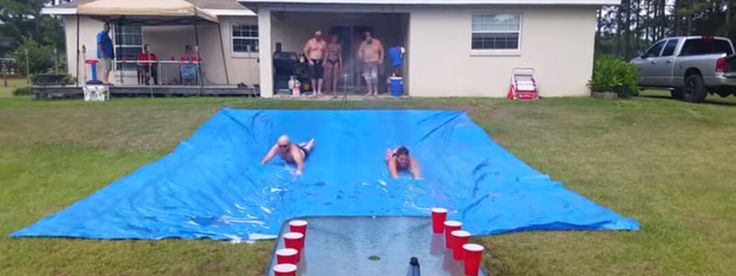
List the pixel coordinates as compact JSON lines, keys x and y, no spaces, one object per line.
{"x":705,"y":46}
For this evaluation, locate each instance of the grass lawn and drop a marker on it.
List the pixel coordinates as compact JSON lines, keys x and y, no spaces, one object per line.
{"x":666,"y":163}
{"x":13,"y":83}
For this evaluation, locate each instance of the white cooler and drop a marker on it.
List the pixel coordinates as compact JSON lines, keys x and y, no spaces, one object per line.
{"x":96,"y":93}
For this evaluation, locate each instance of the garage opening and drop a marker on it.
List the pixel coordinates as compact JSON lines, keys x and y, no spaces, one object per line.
{"x":291,"y":30}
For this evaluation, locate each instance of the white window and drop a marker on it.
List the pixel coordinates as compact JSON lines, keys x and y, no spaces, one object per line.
{"x":245,"y":38}
{"x":128,"y":44}
{"x":496,"y":32}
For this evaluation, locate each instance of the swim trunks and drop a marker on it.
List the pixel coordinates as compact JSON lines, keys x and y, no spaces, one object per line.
{"x":318,"y":72}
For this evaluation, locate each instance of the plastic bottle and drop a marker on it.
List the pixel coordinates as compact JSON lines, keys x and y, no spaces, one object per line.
{"x":295,"y":86}
{"x":413,"y":267}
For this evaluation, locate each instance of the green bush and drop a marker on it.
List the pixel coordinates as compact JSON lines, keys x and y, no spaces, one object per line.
{"x":52,"y":79}
{"x":614,"y":75}
{"x":22,"y":91}
{"x":40,"y":57}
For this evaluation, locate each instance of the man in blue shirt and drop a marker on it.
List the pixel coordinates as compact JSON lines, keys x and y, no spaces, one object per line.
{"x":105,"y":53}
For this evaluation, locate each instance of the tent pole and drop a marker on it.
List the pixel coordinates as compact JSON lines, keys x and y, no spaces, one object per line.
{"x":222,"y":50}
{"x":199,"y":58}
{"x":122,"y":65}
{"x":77,"y":57}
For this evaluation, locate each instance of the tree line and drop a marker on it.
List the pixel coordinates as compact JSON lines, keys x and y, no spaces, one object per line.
{"x":622,"y":30}
{"x":625,"y":29}
{"x":22,"y":20}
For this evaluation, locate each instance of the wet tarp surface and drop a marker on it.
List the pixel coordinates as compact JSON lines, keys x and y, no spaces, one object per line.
{"x":366,"y":246}
{"x":213,"y":185}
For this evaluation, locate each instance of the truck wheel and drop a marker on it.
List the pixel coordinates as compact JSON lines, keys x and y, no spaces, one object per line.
{"x":694,"y":89}
{"x":676,"y":93}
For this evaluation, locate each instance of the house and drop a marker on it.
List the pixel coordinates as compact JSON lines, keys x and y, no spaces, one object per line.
{"x":454,"y":47}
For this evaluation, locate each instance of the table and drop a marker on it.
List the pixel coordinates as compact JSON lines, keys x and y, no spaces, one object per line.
{"x":371,"y":246}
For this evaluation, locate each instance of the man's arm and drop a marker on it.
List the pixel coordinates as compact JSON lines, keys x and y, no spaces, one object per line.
{"x":99,"y":46}
{"x":392,"y":168}
{"x":271,"y":153}
{"x":324,"y":55}
{"x":380,"y":53}
{"x":298,"y":159}
{"x":360,"y":51}
{"x":307,"y":49}
{"x":102,"y":53}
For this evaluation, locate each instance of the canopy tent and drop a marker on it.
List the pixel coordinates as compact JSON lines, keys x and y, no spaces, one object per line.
{"x":162,"y":10}
{"x":151,"y":12}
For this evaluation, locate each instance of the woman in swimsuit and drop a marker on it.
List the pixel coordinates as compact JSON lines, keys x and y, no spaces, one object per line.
{"x":333,"y":63}
{"x":290,"y":152}
{"x":399,"y":160}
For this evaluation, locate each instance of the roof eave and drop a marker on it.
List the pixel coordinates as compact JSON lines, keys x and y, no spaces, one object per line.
{"x":230,"y":12}
{"x":58,"y":11}
{"x":439,"y":2}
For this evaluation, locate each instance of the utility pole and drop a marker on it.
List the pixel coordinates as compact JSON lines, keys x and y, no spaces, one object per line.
{"x":56,"y":61}
{"x":727,"y":30}
{"x":5,"y":73}
{"x":28,"y":68}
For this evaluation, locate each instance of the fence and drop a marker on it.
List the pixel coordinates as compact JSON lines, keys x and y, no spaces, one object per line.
{"x":165,"y":72}
{"x":8,"y":68}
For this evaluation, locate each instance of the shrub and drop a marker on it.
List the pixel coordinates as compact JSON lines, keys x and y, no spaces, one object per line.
{"x":40,"y":57}
{"x":52,"y":79}
{"x":22,"y":91}
{"x":614,"y":75}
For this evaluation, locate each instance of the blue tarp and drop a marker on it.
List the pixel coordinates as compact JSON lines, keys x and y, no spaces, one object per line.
{"x":213,"y":186}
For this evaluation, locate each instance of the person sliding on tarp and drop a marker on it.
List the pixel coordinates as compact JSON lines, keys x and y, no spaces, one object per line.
{"x":399,"y":160}
{"x":291,"y":153}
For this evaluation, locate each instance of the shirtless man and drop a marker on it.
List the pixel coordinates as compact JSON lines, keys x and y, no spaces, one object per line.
{"x":289,"y":152}
{"x":371,"y":54}
{"x":315,"y":52}
{"x":399,"y":160}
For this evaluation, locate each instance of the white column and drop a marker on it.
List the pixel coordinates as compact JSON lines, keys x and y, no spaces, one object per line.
{"x":264,"y":52}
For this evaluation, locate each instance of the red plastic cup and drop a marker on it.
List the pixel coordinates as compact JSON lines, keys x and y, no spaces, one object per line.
{"x":451,"y":225}
{"x":287,"y":256}
{"x":472,"y":254}
{"x":459,"y":238}
{"x":294,"y":240}
{"x":299,"y":226}
{"x":284,"y":270}
{"x":438,"y":219}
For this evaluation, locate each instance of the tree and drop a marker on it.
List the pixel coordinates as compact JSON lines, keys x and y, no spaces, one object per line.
{"x":22,"y":19}
{"x":40,"y":57}
{"x":727,"y":30}
{"x":623,"y":28}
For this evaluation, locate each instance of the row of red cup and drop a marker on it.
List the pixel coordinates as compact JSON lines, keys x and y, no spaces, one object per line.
{"x":458,"y":241}
{"x":288,"y":257}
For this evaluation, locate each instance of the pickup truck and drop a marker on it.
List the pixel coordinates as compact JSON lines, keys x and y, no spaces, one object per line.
{"x":690,"y":66}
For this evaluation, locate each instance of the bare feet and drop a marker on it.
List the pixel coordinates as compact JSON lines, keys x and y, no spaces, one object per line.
{"x":309,"y":145}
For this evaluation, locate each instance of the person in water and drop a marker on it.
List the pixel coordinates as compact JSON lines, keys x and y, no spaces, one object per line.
{"x":399,"y":160}
{"x":290,"y":152}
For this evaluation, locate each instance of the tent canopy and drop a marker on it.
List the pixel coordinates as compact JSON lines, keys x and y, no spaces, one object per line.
{"x":142,"y":10}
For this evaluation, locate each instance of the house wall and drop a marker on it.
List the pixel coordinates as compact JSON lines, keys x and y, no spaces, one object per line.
{"x":168,"y":41}
{"x":556,"y":40}
{"x":88,"y":29}
{"x":243,"y":67}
